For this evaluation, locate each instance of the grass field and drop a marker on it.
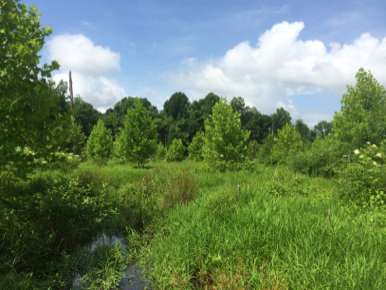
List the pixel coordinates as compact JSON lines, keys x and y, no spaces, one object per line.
{"x":267,"y":228}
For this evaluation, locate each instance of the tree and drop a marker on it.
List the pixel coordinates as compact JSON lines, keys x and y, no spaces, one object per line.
{"x":195,"y":147}
{"x":200,"y":110}
{"x":177,"y":106}
{"x":363,"y":114}
{"x":34,"y":113}
{"x":85,"y":115}
{"x":226,"y":143}
{"x":100,"y":143}
{"x":322,"y":129}
{"x":137,"y":141}
{"x":304,"y":130}
{"x":176,"y":151}
{"x":287,"y":142}
{"x":238,"y":105}
{"x":115,"y":117}
{"x":279,"y":119}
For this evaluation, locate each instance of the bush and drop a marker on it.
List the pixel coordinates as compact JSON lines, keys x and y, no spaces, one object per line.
{"x":253,"y":149}
{"x":176,"y":151}
{"x":265,"y":150}
{"x":323,"y":157}
{"x":195,"y":148}
{"x":363,"y":180}
{"x":46,"y":216}
{"x":161,"y":152}
{"x":287,"y":142}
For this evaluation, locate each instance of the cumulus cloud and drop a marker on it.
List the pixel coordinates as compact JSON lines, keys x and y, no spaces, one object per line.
{"x":91,"y":65}
{"x":281,"y":65}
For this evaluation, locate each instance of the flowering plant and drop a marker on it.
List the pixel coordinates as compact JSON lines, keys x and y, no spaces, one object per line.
{"x":364,"y":177}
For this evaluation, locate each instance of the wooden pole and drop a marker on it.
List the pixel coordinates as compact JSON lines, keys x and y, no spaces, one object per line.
{"x":71,"y":90}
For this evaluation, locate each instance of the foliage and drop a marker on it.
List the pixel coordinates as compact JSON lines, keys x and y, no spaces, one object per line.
{"x":33,"y":109}
{"x":304,"y":131}
{"x":161,"y":151}
{"x":323,"y":157}
{"x":176,"y":151}
{"x":137,"y":141}
{"x":104,"y":268}
{"x":363,"y":114}
{"x":253,"y":150}
{"x":85,"y":115}
{"x":265,"y":150}
{"x":177,"y":106}
{"x":99,"y":143}
{"x":196,"y":146}
{"x":364,"y":178}
{"x":226,"y":143}
{"x":115,"y":117}
{"x":322,"y":129}
{"x":279,"y":119}
{"x":287,"y":142}
{"x":52,"y":215}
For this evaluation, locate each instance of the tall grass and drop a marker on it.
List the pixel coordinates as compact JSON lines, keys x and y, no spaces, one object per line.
{"x":241,"y":234}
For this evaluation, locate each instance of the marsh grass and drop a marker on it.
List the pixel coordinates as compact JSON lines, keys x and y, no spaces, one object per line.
{"x":240,"y":235}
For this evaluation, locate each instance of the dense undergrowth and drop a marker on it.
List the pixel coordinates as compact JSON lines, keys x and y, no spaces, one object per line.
{"x":191,"y":228}
{"x":268,"y":229}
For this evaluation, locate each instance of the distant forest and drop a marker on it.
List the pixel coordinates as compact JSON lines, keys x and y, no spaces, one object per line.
{"x":182,"y":119}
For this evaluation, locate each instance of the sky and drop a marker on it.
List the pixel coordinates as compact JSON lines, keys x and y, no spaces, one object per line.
{"x":300,"y":55}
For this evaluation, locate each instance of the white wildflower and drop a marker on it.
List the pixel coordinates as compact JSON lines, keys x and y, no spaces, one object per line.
{"x":379,"y":155}
{"x":356,"y":151}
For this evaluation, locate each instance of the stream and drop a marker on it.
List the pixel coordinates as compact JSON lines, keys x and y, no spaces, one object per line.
{"x":132,"y":278}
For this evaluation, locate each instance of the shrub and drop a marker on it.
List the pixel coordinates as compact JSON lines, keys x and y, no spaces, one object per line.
{"x":323,"y":157}
{"x":99,"y":144}
{"x":195,"y":148}
{"x":48,"y":215}
{"x":226,"y":143}
{"x":253,"y":149}
{"x":161,"y":152}
{"x":176,"y":151}
{"x":265,"y":150}
{"x":287,"y":142}
{"x":364,"y":178}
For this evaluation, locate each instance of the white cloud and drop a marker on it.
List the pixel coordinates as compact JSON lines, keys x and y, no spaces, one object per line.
{"x":90,"y":65}
{"x":281,"y":65}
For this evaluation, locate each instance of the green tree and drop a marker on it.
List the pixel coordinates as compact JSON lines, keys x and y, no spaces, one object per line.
{"x":85,"y":115}
{"x":115,"y":117}
{"x":200,"y":110}
{"x":137,"y":141}
{"x":363,"y":114}
{"x":176,"y":151}
{"x":279,"y":119}
{"x":100,"y":143}
{"x":34,"y":113}
{"x":195,"y":147}
{"x":322,"y":129}
{"x":177,"y":106}
{"x":226,"y":143}
{"x":304,"y":130}
{"x":287,"y":142}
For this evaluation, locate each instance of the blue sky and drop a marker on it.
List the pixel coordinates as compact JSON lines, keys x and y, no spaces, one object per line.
{"x":164,"y":46}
